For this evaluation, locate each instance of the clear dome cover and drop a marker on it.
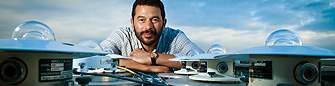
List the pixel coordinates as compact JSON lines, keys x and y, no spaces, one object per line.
{"x":33,"y":30}
{"x":192,"y":53}
{"x":91,"y":44}
{"x":109,"y":50}
{"x":283,"y":37}
{"x":216,"y":49}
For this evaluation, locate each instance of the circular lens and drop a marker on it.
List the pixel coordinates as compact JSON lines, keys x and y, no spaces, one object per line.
{"x":33,"y":30}
{"x":91,"y":44}
{"x":306,"y":73}
{"x":216,"y":49}
{"x":13,"y":71}
{"x":195,"y":65}
{"x":222,"y":67}
{"x":283,"y":37}
{"x":10,"y":71}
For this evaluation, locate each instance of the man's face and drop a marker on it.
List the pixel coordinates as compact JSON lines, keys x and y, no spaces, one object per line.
{"x":148,"y":24}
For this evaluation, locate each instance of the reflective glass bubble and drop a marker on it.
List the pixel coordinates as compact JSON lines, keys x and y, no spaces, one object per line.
{"x":216,"y":49}
{"x":108,"y":50}
{"x":33,"y":30}
{"x":283,"y":37}
{"x":91,"y":44}
{"x":192,"y":53}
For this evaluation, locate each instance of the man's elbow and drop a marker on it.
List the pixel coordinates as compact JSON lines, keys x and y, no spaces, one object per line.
{"x":178,"y":66}
{"x":161,"y":69}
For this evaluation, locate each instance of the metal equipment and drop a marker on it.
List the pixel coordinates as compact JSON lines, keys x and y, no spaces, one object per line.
{"x":283,"y":61}
{"x":33,"y":57}
{"x":212,"y":69}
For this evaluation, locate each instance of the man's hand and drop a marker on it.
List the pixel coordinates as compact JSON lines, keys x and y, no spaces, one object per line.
{"x":140,"y":56}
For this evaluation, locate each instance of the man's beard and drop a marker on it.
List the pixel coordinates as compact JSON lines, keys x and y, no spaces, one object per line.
{"x":156,"y":36}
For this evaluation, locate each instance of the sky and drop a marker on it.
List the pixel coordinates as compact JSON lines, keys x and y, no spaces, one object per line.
{"x":234,"y":24}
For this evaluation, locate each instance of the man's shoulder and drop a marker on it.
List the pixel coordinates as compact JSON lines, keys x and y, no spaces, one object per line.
{"x":124,"y":30}
{"x":172,"y":31}
{"x":122,"y":33}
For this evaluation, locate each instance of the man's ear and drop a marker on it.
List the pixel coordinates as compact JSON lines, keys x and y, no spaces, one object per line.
{"x":132,"y":23}
{"x":164,"y":23}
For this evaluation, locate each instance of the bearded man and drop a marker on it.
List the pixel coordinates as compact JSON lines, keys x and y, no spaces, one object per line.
{"x":149,"y":43}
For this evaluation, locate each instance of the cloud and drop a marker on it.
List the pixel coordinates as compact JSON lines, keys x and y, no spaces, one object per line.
{"x":232,"y":40}
{"x":236,"y":14}
{"x":319,"y":39}
{"x":220,"y":21}
{"x":236,"y":25}
{"x":71,"y":21}
{"x":324,"y":14}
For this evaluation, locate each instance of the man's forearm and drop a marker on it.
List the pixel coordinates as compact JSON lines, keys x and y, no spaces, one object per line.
{"x":143,"y":57}
{"x":163,"y":59}
{"x":128,"y":63}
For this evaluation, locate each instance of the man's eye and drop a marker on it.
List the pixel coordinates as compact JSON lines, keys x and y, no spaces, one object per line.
{"x":155,"y":20}
{"x":141,"y":20}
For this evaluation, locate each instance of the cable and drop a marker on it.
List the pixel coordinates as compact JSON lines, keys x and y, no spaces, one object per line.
{"x":132,"y":72}
{"x":161,"y":78}
{"x":149,"y":76}
{"x":115,"y":64}
{"x":124,"y":78}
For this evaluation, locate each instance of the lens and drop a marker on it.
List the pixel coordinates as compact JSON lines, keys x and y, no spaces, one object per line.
{"x":222,"y":67}
{"x":195,"y":65}
{"x":306,"y":73}
{"x":13,"y":71}
{"x":10,"y":71}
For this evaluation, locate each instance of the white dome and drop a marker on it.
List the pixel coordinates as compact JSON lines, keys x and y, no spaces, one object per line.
{"x":216,"y":49}
{"x":33,"y":30}
{"x":283,"y":37}
{"x":91,"y":44}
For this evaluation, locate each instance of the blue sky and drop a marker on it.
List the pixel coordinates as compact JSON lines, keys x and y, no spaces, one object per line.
{"x":234,"y":24}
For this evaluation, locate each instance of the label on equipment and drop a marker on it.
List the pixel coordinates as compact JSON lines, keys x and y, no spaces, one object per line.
{"x":261,"y":69}
{"x":54,"y":69}
{"x":105,"y":61}
{"x":203,"y":66}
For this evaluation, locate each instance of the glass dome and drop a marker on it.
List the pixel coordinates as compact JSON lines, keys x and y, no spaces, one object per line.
{"x":33,"y":30}
{"x":192,"y":53}
{"x":283,"y":37}
{"x":91,"y":44}
{"x":109,"y":50}
{"x":216,"y":49}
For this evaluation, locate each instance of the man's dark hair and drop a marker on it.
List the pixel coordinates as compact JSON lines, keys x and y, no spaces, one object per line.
{"x":155,"y":3}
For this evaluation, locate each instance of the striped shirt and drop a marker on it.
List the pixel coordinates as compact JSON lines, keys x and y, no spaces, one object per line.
{"x":123,"y":41}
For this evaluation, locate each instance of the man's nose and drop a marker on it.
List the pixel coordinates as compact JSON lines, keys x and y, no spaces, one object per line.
{"x":149,"y":25}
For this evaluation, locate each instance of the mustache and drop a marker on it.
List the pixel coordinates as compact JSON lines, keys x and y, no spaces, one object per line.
{"x":148,"y":31}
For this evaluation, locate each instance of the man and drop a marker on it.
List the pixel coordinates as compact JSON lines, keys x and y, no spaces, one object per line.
{"x":149,"y":44}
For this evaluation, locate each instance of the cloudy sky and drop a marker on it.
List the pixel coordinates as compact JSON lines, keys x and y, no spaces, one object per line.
{"x":234,"y":24}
